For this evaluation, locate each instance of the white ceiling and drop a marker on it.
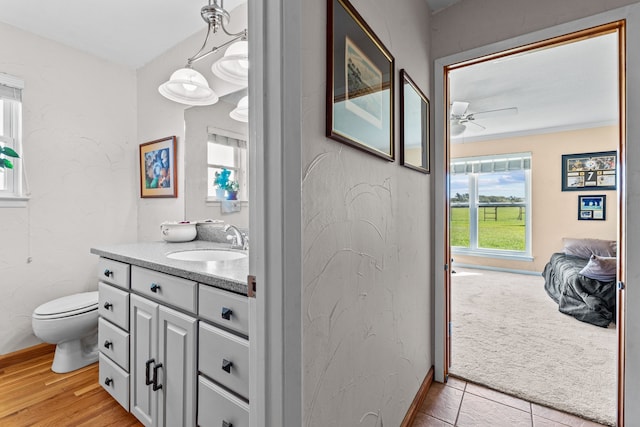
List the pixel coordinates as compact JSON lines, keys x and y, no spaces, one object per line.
{"x":438,"y":5}
{"x":566,"y":87}
{"x":129,"y":32}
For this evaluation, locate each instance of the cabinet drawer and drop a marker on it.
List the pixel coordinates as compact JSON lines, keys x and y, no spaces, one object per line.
{"x":114,"y":343}
{"x":114,"y":272}
{"x":218,"y":407}
{"x":164,"y":288}
{"x":113,"y":305}
{"x":224,"y":308}
{"x":115,"y":381}
{"x":224,"y":357}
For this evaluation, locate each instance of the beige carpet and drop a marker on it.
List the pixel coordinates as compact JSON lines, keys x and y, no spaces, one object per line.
{"x":509,"y":335}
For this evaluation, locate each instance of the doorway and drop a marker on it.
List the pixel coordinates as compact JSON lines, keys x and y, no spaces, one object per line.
{"x":478,"y":250}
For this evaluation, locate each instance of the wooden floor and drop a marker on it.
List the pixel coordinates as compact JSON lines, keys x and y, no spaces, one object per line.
{"x":32,"y":395}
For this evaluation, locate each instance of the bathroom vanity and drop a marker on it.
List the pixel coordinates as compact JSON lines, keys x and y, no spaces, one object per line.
{"x":174,"y":333}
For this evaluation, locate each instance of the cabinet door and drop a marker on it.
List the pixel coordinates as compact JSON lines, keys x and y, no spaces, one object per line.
{"x":144,"y":350}
{"x":177,"y":353}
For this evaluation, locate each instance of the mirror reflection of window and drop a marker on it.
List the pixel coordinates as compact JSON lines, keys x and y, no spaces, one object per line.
{"x":226,"y":153}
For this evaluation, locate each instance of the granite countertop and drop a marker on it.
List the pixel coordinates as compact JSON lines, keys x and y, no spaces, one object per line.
{"x":230,"y":275}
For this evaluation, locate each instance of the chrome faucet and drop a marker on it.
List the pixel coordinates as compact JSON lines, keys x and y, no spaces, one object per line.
{"x":239,"y":240}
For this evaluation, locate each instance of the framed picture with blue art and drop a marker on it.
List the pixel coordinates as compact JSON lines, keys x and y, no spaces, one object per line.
{"x":158,"y":171}
{"x":592,"y":208}
{"x":360,"y":83}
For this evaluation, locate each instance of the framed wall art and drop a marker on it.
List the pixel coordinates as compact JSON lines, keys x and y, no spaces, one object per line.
{"x":158,"y":171}
{"x":360,"y":83}
{"x":589,"y":171}
{"x":414,"y":125}
{"x":592,"y":207}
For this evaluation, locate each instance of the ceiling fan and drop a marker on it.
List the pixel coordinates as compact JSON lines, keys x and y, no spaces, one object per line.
{"x":460,"y":116}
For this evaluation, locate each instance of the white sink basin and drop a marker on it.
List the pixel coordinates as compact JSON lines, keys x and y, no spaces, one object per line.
{"x":206,"y":255}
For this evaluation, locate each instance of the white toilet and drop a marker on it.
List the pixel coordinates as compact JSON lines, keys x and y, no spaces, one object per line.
{"x":71,"y":323}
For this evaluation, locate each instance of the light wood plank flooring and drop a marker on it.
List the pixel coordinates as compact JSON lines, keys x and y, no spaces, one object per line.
{"x":32,"y":395}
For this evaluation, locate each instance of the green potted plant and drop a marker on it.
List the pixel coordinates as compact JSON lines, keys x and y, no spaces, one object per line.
{"x":4,"y":162}
{"x":232,"y":190}
{"x":220,"y":182}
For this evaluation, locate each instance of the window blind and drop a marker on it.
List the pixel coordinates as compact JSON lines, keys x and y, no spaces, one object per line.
{"x":490,"y":164}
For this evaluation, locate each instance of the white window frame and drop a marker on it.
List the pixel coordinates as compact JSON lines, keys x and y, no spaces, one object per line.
{"x":12,"y":195}
{"x":239,"y":167}
{"x":474,"y":202}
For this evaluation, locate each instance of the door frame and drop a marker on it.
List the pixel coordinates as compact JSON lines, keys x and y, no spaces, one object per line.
{"x":631,"y":16}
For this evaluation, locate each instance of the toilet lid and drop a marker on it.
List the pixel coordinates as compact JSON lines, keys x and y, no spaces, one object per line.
{"x":72,"y":303}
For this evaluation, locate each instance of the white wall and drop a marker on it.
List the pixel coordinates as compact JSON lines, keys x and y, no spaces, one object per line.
{"x":79,"y":148}
{"x":367,"y":321}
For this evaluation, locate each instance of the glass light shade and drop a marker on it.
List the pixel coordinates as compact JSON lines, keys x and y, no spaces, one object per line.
{"x":241,"y":112}
{"x":187,"y":86}
{"x":457,"y":128}
{"x":233,"y":67}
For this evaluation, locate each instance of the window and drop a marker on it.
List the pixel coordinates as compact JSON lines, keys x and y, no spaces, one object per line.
{"x":10,"y":135}
{"x":490,"y":205}
{"x":225,"y":152}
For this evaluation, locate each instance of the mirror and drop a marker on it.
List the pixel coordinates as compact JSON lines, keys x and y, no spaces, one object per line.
{"x":208,"y":125}
{"x":414,"y":125}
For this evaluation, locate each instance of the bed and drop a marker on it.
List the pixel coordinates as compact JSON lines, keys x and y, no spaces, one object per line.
{"x":585,"y":298}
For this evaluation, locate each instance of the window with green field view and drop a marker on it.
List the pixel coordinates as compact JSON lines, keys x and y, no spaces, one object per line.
{"x":490,"y":204}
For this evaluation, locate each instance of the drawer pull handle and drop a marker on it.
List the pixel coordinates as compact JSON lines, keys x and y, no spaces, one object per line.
{"x":226,"y":424}
{"x":155,"y":287}
{"x":108,"y":344}
{"x":156,"y":386}
{"x":226,"y":313}
{"x":147,"y":371}
{"x":226,"y":365}
{"x":108,"y":273}
{"x":108,"y":381}
{"x":108,"y":305}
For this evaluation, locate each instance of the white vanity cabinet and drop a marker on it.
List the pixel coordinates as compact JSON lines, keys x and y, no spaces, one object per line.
{"x":174,"y":352}
{"x":163,"y":364}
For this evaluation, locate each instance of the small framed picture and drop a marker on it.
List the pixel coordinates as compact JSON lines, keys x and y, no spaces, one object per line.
{"x":158,"y":171}
{"x":414,"y":125}
{"x":592,"y":208}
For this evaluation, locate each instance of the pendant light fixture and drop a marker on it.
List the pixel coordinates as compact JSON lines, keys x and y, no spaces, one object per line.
{"x":233,"y":67}
{"x":188,"y":86}
{"x":241,"y":112}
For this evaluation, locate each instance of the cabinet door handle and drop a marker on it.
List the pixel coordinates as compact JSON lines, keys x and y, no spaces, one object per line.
{"x":226,"y":313}
{"x":226,"y":365}
{"x":108,"y":272}
{"x":226,"y":424}
{"x":154,"y":287}
{"x":108,"y":305}
{"x":108,"y":381}
{"x":147,"y":371}
{"x":156,"y":386}
{"x":108,"y":344}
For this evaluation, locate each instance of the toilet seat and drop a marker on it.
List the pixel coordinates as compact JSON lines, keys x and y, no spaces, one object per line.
{"x":70,"y":305}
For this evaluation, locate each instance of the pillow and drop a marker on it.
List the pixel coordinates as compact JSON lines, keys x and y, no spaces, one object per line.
{"x":600,"y":268}
{"x":584,"y":248}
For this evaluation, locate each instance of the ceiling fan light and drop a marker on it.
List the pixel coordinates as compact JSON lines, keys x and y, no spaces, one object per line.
{"x":187,"y":86}
{"x":457,"y":128}
{"x":241,"y":112}
{"x":233,"y":67}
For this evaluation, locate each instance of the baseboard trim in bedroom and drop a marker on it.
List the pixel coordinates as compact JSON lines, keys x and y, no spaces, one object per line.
{"x":418,"y":400}
{"x":26,"y":354}
{"x":505,"y":270}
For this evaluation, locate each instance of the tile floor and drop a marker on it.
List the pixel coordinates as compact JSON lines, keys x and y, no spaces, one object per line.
{"x":463,"y":404}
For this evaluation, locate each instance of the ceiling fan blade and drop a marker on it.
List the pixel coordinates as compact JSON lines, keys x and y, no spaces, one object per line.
{"x":477,"y":124}
{"x":500,"y":112}
{"x":458,"y":108}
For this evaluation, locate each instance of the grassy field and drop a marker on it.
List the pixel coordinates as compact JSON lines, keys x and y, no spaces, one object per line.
{"x":507,"y":231}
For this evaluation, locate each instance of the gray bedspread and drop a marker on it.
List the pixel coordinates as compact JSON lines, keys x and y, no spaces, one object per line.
{"x":585,"y":299}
